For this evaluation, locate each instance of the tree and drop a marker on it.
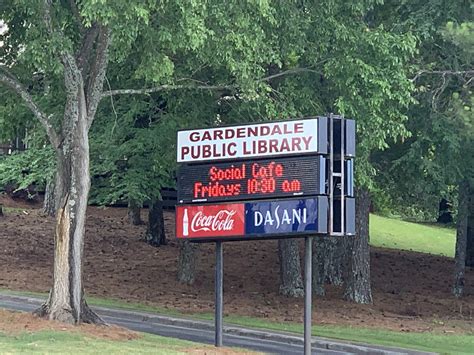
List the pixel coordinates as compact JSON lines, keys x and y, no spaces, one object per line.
{"x":134,"y":213}
{"x":357,"y":276}
{"x":167,"y":46}
{"x":187,"y":262}
{"x":461,"y":239}
{"x":155,"y":234}
{"x":470,"y":231}
{"x":291,"y":282}
{"x":437,"y":160}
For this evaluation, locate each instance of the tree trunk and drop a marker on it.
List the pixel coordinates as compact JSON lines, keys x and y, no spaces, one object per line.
{"x":357,"y":278}
{"x":134,"y":213}
{"x":155,"y":234}
{"x":291,"y":281}
{"x":187,"y":262}
{"x":461,"y":239}
{"x":470,"y":230}
{"x":66,"y":298}
{"x":319,"y":265}
{"x":1,"y":210}
{"x":49,"y":203}
{"x":329,"y":256}
{"x":334,"y":260}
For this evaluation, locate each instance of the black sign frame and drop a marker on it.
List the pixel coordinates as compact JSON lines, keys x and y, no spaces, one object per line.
{"x":252,"y":179}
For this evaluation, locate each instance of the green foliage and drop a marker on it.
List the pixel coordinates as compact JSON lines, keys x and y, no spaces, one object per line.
{"x":22,"y":169}
{"x":461,"y":35}
{"x":277,"y":59}
{"x":133,"y":155}
{"x":413,"y":175}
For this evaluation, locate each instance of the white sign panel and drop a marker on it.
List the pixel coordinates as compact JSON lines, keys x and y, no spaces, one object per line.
{"x":256,"y":140}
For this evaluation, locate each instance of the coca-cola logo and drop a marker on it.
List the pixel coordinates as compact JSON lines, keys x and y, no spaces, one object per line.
{"x":221,"y":221}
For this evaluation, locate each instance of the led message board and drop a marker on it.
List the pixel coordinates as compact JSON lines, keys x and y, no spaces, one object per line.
{"x":253,"y":140}
{"x":252,"y":220}
{"x":255,"y":179}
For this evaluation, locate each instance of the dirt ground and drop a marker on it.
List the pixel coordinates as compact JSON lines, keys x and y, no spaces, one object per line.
{"x":14,"y":323}
{"x":411,"y":290}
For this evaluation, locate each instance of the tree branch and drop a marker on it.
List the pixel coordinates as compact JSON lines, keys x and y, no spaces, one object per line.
{"x":47,"y":16}
{"x":9,"y":80}
{"x":97,"y":76}
{"x":166,"y":87}
{"x":443,"y":73}
{"x":77,"y":15}
{"x":289,"y":72}
{"x":66,"y":57}
{"x":84,"y":53}
{"x":203,"y":86}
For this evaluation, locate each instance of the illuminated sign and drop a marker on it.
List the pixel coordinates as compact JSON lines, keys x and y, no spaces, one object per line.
{"x":252,"y":220}
{"x":256,"y":179}
{"x":253,"y":140}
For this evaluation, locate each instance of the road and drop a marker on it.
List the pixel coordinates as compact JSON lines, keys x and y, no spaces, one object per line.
{"x":203,"y":332}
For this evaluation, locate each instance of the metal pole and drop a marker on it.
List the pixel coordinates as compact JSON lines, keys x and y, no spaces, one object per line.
{"x":307,"y":295}
{"x":331,"y":174}
{"x":343,"y":177}
{"x":219,"y":292}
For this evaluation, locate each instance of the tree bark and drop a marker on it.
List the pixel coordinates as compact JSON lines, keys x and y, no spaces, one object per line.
{"x":334,"y":260}
{"x":470,"y":230}
{"x":319,"y":272}
{"x":329,"y":257}
{"x":461,"y":239}
{"x":49,"y":203}
{"x":357,"y":277}
{"x":134,"y":213}
{"x":187,"y":262}
{"x":155,"y":234}
{"x":291,"y":281}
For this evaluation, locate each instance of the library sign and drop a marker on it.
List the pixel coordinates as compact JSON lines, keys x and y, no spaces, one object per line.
{"x":252,"y":181}
{"x":253,"y":140}
{"x":267,"y":180}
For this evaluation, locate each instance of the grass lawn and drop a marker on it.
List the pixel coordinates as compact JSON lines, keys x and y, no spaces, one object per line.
{"x":59,"y":342}
{"x":397,"y":234}
{"x":434,"y":342}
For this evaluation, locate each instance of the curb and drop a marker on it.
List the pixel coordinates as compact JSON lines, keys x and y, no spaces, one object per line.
{"x":289,"y":338}
{"x":282,"y":337}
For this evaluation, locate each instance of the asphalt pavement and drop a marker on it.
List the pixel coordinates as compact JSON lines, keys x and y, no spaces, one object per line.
{"x":203,"y":331}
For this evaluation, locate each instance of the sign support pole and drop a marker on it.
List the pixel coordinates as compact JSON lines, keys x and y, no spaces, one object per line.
{"x":307,"y":294}
{"x":219,"y":293}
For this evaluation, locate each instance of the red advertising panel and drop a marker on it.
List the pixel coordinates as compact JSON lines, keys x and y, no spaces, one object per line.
{"x":222,"y":220}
